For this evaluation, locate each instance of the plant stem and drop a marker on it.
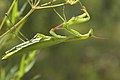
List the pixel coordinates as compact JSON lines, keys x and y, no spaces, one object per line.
{"x":13,"y":3}
{"x":27,"y":15}
{"x":17,"y":24}
{"x":50,"y":6}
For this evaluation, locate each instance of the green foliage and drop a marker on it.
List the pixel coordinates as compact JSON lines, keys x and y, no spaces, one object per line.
{"x":42,"y":41}
{"x":26,"y":64}
{"x":17,"y":72}
{"x":39,"y":41}
{"x":15,"y":12}
{"x":80,"y":60}
{"x":11,"y":20}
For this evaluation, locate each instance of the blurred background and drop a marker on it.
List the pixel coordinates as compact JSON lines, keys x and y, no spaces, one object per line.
{"x":91,"y":59}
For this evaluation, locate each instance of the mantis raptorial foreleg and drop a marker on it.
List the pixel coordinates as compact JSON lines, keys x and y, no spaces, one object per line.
{"x":56,"y":35}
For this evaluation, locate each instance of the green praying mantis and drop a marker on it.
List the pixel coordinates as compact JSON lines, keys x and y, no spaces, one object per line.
{"x":42,"y":41}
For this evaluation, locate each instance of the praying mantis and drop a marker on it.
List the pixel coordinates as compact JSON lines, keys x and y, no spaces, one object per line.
{"x":42,"y":41}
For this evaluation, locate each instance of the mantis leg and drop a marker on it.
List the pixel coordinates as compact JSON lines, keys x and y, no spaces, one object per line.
{"x":77,"y":34}
{"x":58,"y":27}
{"x":85,"y":36}
{"x":77,"y":20}
{"x":84,"y":17}
{"x":54,"y":34}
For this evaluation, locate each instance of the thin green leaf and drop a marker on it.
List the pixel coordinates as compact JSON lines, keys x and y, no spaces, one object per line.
{"x":36,"y":77}
{"x":23,"y":8}
{"x":5,"y":40}
{"x":12,"y":73}
{"x":2,"y":73}
{"x":30,"y":60}
{"x":26,"y":64}
{"x":22,"y":67}
{"x":15,"y":12}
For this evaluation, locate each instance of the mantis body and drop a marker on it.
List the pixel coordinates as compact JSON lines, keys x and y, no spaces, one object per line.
{"x":42,"y":41}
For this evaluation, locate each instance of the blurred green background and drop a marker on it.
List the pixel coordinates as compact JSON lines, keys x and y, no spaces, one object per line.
{"x":91,"y":59}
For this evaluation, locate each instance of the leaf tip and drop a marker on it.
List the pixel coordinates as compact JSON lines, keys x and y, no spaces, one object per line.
{"x":3,"y":58}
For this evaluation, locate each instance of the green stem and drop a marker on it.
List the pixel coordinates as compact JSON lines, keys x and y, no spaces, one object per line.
{"x":27,"y":15}
{"x":17,"y":24}
{"x":50,"y":6}
{"x":13,"y":3}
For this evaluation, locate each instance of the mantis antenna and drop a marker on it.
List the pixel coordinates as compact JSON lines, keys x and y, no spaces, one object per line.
{"x":98,"y":37}
{"x":18,"y":31}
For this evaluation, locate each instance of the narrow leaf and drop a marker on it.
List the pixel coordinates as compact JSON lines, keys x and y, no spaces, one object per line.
{"x":15,"y":12}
